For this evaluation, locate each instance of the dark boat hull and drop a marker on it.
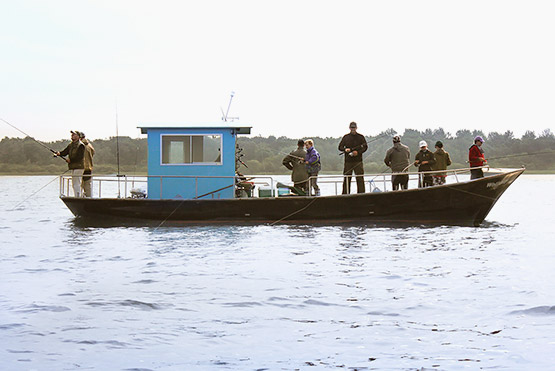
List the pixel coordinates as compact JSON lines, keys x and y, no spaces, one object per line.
{"x":466,"y":203}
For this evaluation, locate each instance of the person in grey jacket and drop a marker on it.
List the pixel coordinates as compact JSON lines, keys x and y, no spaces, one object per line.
{"x":295,"y":162}
{"x":398,"y":159}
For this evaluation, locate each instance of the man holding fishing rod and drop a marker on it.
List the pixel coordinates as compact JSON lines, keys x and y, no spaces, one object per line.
{"x":476,"y":158}
{"x":398,"y":159}
{"x":353,"y":145}
{"x":75,"y":161}
{"x":295,"y":162}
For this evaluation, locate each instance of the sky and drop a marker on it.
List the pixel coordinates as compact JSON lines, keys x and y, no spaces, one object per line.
{"x":297,"y":68}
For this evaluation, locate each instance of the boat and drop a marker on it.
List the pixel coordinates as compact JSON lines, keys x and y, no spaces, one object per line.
{"x":192,"y":178}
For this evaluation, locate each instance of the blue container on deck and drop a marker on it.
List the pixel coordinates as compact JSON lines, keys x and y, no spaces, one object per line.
{"x":283,"y":191}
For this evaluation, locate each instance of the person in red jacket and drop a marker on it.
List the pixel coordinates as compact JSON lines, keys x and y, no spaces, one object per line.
{"x":476,"y":158}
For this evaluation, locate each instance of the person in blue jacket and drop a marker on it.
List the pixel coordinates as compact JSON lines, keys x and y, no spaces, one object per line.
{"x":313,"y":166}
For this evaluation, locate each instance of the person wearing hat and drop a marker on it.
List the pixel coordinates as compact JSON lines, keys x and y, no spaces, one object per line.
{"x":442,"y":161}
{"x":295,"y":162}
{"x":398,"y":159}
{"x":424,"y":160}
{"x":353,"y":145}
{"x":313,"y":166}
{"x":88,"y":163}
{"x":476,"y":158}
{"x":75,"y":153}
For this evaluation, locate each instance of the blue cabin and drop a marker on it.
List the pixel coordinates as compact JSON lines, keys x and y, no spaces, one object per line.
{"x":192,"y":161}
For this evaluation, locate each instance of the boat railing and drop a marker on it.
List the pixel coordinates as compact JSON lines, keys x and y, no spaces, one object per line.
{"x":381,"y":182}
{"x":125,"y":186}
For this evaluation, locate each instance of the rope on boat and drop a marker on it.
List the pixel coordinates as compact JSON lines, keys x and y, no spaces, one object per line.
{"x":293,"y":213}
{"x":167,"y":217}
{"x":472,"y":193}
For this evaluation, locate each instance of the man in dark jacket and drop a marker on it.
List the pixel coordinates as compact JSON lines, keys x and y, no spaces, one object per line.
{"x":398,"y":159}
{"x":442,"y":161}
{"x":353,"y":145}
{"x":295,"y":162}
{"x":476,"y":158}
{"x":75,"y":159}
{"x":424,"y":160}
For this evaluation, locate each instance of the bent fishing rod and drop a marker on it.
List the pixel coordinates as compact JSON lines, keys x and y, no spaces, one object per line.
{"x":42,"y":144}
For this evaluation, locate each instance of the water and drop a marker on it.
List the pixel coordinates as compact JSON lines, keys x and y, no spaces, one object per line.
{"x":283,"y":297}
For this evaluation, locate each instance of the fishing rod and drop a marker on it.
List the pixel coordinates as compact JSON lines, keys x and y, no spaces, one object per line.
{"x":117,"y":150}
{"x":360,"y":145}
{"x":42,"y":144}
{"x":289,"y":154}
{"x":520,"y":155}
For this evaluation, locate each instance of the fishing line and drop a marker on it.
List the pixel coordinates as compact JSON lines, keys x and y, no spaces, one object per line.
{"x":42,"y":144}
{"x":34,"y":193}
{"x":293,"y":213}
{"x":520,"y":155}
{"x":197,"y":197}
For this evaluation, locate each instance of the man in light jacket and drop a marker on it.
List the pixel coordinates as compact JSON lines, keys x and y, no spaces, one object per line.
{"x":88,"y":163}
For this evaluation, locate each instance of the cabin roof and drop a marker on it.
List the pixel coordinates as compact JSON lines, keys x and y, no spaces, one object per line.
{"x":241,"y":129}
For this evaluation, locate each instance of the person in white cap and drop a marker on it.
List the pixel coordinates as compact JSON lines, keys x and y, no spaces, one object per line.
{"x":424,"y":160}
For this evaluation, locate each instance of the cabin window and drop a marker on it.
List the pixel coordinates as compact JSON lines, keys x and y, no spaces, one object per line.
{"x":191,"y":149}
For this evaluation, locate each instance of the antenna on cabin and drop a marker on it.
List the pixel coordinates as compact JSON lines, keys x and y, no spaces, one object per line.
{"x":225,"y":115}
{"x":117,"y":148}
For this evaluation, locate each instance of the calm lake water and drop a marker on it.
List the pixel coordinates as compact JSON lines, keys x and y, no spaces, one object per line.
{"x":283,"y":297}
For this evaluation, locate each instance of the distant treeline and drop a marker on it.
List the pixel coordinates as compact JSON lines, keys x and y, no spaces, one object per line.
{"x":264,"y":155}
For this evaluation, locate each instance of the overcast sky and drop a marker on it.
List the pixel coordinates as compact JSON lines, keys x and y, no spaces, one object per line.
{"x":298,"y":68}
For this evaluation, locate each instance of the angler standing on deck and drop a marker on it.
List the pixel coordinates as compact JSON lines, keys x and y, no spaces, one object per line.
{"x":353,"y":145}
{"x":442,"y":161}
{"x":313,"y":166}
{"x":476,"y":158}
{"x":75,"y":161}
{"x":295,"y":162}
{"x":88,"y":162}
{"x":424,"y":160}
{"x":398,"y":159}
